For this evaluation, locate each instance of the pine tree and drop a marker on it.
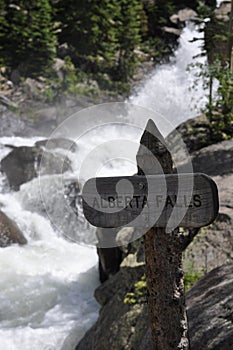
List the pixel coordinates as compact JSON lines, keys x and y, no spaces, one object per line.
{"x":129,"y":37}
{"x":12,"y":44}
{"x":3,"y":26}
{"x":27,"y":40}
{"x":89,"y":28}
{"x":158,"y":13}
{"x":41,"y":42}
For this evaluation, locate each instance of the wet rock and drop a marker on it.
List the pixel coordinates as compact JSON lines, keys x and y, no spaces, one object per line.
{"x":52,"y":144}
{"x":11,"y":124}
{"x":49,"y":163}
{"x":9,"y":232}
{"x":128,"y":250}
{"x":109,"y":258}
{"x":19,"y":165}
{"x":23,"y":164}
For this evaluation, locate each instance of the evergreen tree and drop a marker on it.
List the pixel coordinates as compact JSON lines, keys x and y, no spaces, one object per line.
{"x":158,"y":13}
{"x":3,"y":26}
{"x":27,"y":41}
{"x":41,"y":44}
{"x":129,"y":37}
{"x":89,"y":28}
{"x":12,"y":39}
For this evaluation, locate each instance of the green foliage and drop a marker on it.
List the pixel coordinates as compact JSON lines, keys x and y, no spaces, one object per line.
{"x":27,"y":41}
{"x":89,"y":28}
{"x":204,"y":11}
{"x":138,"y":294}
{"x":191,"y":276}
{"x":129,"y":38}
{"x":104,"y":39}
{"x":73,"y":81}
{"x":158,"y":13}
{"x":217,"y":45}
{"x":219,"y":108}
{"x":3,"y":26}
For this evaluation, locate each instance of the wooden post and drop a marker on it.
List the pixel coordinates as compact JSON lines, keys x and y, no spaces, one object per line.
{"x":163,"y":253}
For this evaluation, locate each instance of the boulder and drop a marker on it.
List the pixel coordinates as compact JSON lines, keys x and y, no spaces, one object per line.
{"x":109,"y":258}
{"x":49,"y":163}
{"x":214,"y":160}
{"x":223,"y":12}
{"x":194,"y":133}
{"x":212,"y":247}
{"x":19,"y":165}
{"x":11,"y":124}
{"x":22,"y":164}
{"x":210,"y":310}
{"x":120,"y":325}
{"x":183,"y":16}
{"x":171,"y":30}
{"x":9,"y":232}
{"x":209,"y":307}
{"x":33,"y":88}
{"x":57,"y":143}
{"x":126,"y":326}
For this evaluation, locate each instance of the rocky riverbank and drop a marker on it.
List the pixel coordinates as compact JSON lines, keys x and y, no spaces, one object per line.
{"x":124,"y":326}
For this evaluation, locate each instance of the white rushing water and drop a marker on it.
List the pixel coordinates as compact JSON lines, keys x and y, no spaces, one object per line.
{"x":46,"y":286}
{"x":169,"y":90}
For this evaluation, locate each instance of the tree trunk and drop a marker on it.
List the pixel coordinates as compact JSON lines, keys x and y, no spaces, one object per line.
{"x":163,"y":253}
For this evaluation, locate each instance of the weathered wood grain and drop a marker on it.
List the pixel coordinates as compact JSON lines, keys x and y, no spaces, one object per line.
{"x":146,"y":201}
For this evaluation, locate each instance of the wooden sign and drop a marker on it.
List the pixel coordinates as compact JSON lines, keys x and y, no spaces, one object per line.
{"x":187,"y":200}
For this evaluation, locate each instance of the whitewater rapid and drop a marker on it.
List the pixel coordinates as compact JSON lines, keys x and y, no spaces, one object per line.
{"x":46,"y":287}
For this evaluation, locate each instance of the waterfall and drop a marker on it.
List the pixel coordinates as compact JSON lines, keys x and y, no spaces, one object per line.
{"x":46,"y":287}
{"x":169,"y":90}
